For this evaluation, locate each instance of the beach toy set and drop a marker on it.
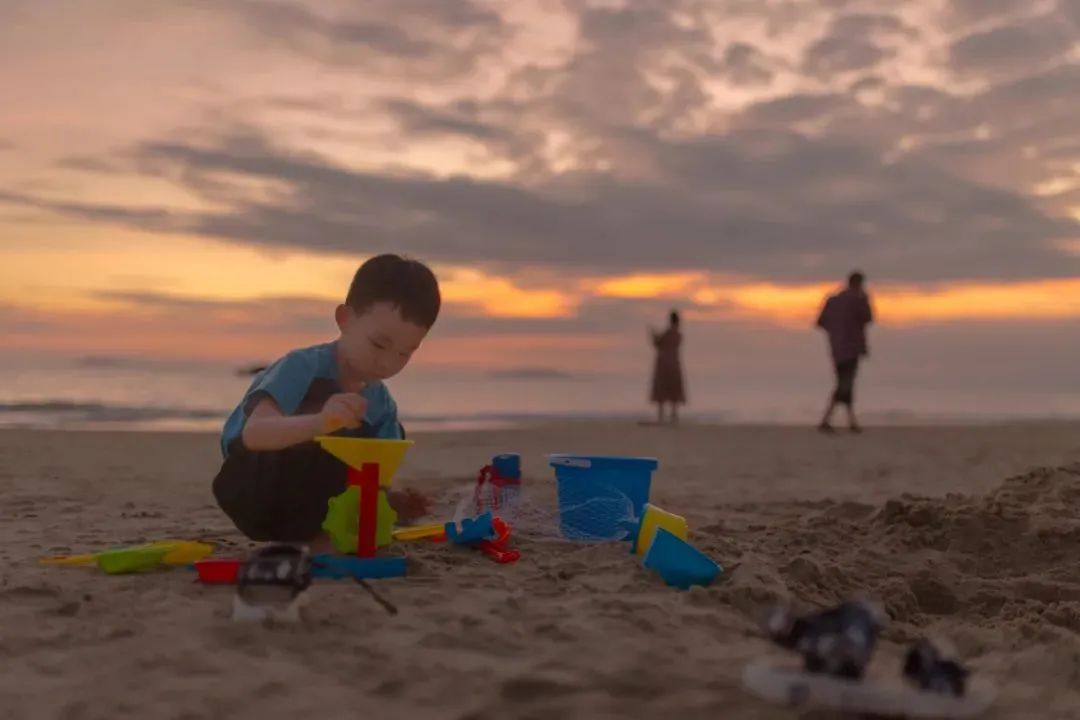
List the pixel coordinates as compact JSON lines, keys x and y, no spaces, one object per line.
{"x":600,"y":498}
{"x":360,"y":521}
{"x":604,"y":498}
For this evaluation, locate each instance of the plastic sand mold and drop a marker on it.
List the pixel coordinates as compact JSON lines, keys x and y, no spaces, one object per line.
{"x":342,"y":521}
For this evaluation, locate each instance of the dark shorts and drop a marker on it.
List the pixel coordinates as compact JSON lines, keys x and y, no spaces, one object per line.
{"x":845,"y":382}
{"x":279,"y":496}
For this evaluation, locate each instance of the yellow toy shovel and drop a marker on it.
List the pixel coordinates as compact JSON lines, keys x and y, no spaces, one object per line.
{"x":138,"y":557}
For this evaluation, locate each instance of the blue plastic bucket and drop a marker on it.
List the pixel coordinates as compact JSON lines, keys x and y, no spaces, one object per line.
{"x":599,"y":494}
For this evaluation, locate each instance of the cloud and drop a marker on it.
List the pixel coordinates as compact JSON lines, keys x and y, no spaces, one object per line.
{"x":973,"y":11}
{"x":490,"y":125}
{"x":834,"y":55}
{"x":1071,"y":10}
{"x":644,"y":64}
{"x":460,"y":118}
{"x":436,"y":37}
{"x":745,"y":65}
{"x":270,"y":314}
{"x":757,"y":203}
{"x":6,"y":145}
{"x":1013,"y":49}
{"x":93,"y":165}
{"x":855,"y":42}
{"x":615,"y":158}
{"x":793,"y":109}
{"x":993,"y":136}
{"x":871,"y":24}
{"x":160,"y":220}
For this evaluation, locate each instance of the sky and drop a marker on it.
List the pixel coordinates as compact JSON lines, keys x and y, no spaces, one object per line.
{"x":198,"y":180}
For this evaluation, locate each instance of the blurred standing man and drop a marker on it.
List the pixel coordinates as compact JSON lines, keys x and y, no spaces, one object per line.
{"x":844,"y":319}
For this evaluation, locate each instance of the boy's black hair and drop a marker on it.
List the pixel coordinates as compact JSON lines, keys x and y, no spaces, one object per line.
{"x":856,"y":279}
{"x":407,"y":284}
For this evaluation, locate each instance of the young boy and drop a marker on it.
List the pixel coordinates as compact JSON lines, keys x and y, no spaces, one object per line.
{"x":275,"y":480}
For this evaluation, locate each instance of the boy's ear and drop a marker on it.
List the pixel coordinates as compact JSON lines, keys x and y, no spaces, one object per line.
{"x":342,"y":315}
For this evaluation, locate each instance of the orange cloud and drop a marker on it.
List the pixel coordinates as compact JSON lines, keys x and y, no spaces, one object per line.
{"x":500,"y":297}
{"x":901,"y":305}
{"x":93,"y":292}
{"x":647,"y":285}
{"x":796,"y":304}
{"x":1037,"y":300}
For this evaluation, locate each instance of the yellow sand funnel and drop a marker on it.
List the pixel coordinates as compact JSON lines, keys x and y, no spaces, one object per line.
{"x":357,"y":452}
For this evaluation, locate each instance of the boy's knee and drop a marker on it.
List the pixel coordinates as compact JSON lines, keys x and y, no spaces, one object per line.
{"x":280,"y":495}
{"x":238,"y":497}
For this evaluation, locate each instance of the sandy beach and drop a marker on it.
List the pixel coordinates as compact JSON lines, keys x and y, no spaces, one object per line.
{"x":967,"y":534}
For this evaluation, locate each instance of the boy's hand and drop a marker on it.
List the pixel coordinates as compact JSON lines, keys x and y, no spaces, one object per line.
{"x":409,"y":504}
{"x":344,"y":410}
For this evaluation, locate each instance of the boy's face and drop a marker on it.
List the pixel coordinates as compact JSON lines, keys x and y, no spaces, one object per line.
{"x":377,"y":344}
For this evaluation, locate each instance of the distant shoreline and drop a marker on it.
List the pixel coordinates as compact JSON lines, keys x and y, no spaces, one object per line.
{"x":495,"y":423}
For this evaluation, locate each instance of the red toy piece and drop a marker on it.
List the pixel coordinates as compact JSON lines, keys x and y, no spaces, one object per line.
{"x":496,"y":547}
{"x":217,"y":571}
{"x":367,"y":479}
{"x":497,"y":553}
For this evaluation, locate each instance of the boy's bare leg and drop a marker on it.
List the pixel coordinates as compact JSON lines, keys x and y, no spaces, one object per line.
{"x":674,"y":413}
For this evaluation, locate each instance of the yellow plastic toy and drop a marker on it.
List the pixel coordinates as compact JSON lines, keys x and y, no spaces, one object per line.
{"x":419,"y":532}
{"x":138,"y":557}
{"x":654,"y":517}
{"x":358,"y":452}
{"x":360,"y":520}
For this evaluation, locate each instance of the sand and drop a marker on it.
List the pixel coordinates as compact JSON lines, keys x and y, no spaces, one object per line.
{"x":969,"y":535}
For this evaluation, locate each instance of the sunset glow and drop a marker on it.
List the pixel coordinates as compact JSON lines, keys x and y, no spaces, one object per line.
{"x":571,"y":171}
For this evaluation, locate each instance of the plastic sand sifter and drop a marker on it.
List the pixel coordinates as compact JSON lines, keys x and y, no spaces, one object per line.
{"x":360,"y":520}
{"x":598,"y":494}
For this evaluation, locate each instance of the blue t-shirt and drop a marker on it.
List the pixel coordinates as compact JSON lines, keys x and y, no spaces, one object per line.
{"x":300,"y":383}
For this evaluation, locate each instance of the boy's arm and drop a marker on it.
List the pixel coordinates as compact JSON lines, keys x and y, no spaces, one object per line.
{"x":267,"y":428}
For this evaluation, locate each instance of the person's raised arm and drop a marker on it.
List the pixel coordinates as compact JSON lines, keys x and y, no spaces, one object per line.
{"x":268,"y":429}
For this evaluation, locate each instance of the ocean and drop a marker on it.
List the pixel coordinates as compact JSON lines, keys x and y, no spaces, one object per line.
{"x":52,"y":392}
